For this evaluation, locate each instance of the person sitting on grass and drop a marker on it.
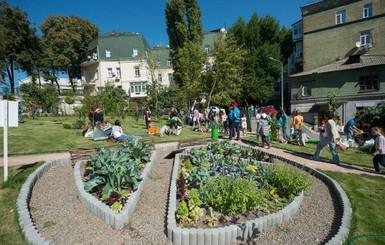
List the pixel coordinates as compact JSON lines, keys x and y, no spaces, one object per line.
{"x":117,"y":133}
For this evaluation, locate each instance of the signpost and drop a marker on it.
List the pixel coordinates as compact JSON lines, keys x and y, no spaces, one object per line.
{"x":8,"y":118}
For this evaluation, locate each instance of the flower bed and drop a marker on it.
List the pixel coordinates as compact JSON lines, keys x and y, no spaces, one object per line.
{"x":224,"y":185}
{"x":112,"y":180}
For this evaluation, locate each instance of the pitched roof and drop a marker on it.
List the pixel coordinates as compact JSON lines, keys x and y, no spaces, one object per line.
{"x":345,"y":64}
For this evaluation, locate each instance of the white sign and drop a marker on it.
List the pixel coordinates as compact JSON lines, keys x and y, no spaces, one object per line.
{"x":12,"y":113}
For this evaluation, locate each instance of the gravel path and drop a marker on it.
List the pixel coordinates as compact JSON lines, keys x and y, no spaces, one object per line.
{"x":61,"y":219}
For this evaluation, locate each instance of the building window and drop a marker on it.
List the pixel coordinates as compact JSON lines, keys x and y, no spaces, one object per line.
{"x":118,"y":74}
{"x":207,"y":49}
{"x":159,"y":77}
{"x":306,"y":90}
{"x":341,"y":16}
{"x":109,"y":72}
{"x":138,"y":88}
{"x":135,"y":52}
{"x":169,"y":62}
{"x":137,"y":71}
{"x":367,"y":11}
{"x":170,"y":77}
{"x":366,"y":38}
{"x":298,"y":49}
{"x":158,"y":62}
{"x":369,"y":83}
{"x":108,"y":53}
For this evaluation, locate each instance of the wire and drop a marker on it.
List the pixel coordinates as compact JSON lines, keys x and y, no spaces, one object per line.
{"x":363,"y":235}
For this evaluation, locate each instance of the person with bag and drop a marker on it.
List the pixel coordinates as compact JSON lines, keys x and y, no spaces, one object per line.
{"x":330,"y":138}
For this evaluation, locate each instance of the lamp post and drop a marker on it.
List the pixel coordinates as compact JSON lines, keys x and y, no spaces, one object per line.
{"x":281,"y":81}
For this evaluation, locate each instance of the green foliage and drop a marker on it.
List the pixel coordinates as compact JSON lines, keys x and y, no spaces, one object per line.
{"x":223,"y":80}
{"x":183,"y":213}
{"x":78,"y":124}
{"x":66,"y":126}
{"x":289,"y":181}
{"x":69,"y":100}
{"x":262,"y":38}
{"x":19,"y":44}
{"x":119,"y":167}
{"x":333,"y":104}
{"x":66,"y":40}
{"x":231,"y":196}
{"x":46,"y":97}
{"x":374,"y":116}
{"x":185,"y":32}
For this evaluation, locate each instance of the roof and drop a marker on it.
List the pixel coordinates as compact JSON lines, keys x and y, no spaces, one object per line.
{"x":344,"y":64}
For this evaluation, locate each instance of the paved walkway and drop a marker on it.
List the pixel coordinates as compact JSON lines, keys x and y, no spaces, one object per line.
{"x":298,"y":157}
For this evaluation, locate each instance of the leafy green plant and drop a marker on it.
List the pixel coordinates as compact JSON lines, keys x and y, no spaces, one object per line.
{"x":183,"y":214}
{"x":66,"y":126}
{"x":113,"y":172}
{"x":231,"y":196}
{"x":288,"y":180}
{"x":194,"y":202}
{"x":211,"y":220}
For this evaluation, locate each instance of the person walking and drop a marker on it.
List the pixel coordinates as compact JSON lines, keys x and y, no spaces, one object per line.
{"x":330,"y":138}
{"x":379,"y":149}
{"x":264,"y":130}
{"x":285,"y":124}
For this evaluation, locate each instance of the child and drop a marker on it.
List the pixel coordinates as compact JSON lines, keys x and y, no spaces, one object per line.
{"x":244,"y":124}
{"x":379,"y":153}
{"x":264,"y":130}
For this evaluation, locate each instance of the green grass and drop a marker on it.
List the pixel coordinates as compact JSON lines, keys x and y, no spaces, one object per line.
{"x":352,"y":156}
{"x":366,"y":194}
{"x":47,"y":134}
{"x":9,"y":191}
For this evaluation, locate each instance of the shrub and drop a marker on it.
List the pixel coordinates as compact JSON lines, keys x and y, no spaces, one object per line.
{"x":66,"y":126}
{"x":79,"y":124}
{"x":289,"y":181}
{"x":231,"y":196}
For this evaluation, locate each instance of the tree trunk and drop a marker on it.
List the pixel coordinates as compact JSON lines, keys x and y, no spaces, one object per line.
{"x":11,"y":76}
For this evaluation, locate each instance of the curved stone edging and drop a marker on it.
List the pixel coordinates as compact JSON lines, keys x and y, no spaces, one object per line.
{"x":223,"y":235}
{"x":103,"y":211}
{"x":343,"y":231}
{"x":27,"y":226}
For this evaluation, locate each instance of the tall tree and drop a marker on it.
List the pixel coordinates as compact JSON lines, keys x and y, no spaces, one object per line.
{"x":19,"y":45}
{"x":262,"y":38}
{"x":184,"y":28}
{"x":224,"y":79}
{"x":66,"y":39}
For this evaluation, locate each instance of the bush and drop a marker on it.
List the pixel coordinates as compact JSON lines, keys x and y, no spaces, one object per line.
{"x":231,"y":196}
{"x":288,"y":180}
{"x":67,"y":126}
{"x":79,"y":124}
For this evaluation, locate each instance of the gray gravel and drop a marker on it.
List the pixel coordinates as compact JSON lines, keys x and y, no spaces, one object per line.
{"x":60,"y":218}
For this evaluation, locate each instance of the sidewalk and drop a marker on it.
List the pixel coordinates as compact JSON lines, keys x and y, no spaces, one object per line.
{"x":29,"y":159}
{"x":298,"y":157}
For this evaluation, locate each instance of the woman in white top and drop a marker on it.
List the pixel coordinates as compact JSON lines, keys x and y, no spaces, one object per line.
{"x":330,"y":138}
{"x":117,"y":132}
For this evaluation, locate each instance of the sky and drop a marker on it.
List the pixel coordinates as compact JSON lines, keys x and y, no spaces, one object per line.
{"x":148,"y":16}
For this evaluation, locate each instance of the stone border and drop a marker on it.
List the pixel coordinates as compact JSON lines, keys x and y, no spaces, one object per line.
{"x":116,"y":219}
{"x":339,"y":193}
{"x":27,"y":226}
{"x":222,"y":235}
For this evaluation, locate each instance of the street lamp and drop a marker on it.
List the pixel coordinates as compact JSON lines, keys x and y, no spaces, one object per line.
{"x":281,"y":80}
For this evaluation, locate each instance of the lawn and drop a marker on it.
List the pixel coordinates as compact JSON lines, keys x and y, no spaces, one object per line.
{"x":47,"y":134}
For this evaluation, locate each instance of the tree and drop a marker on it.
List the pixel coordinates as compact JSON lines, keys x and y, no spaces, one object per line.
{"x":224,"y":78}
{"x":65,"y":40}
{"x":46,"y":98}
{"x":262,"y":39}
{"x":184,"y":28}
{"x":19,"y":45}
